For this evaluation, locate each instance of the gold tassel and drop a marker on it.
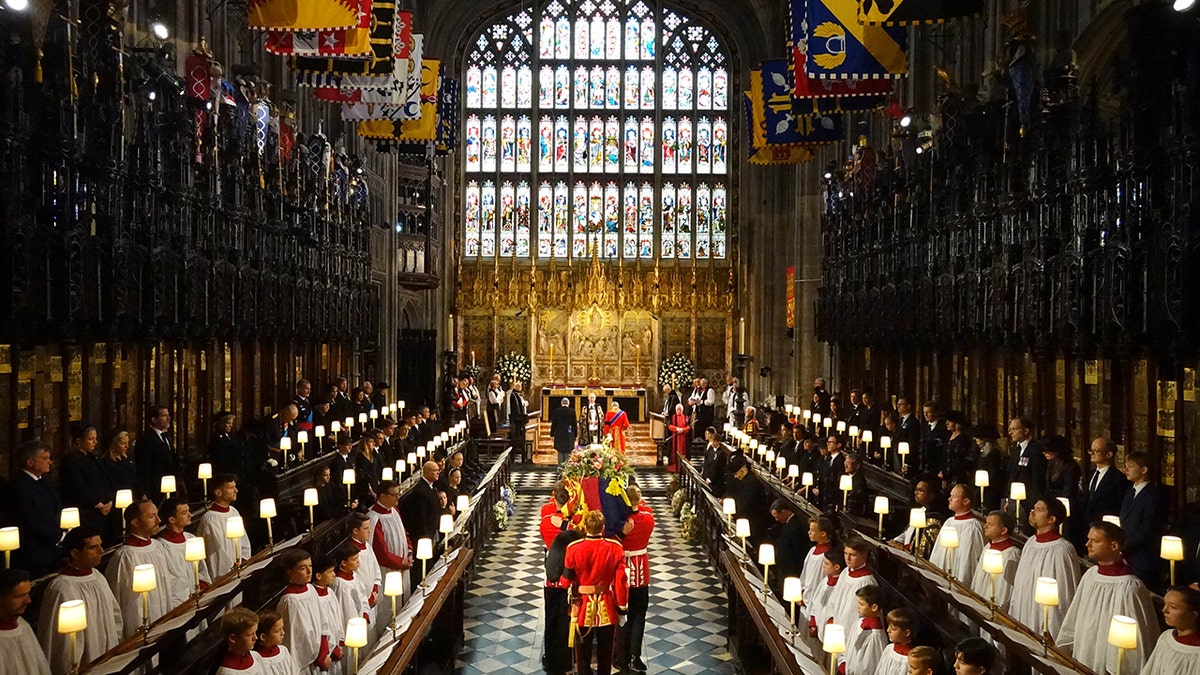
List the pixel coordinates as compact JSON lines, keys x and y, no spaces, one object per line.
{"x":571,"y":634}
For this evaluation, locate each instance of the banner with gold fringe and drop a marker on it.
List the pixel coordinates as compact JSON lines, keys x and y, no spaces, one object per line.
{"x":805,"y":86}
{"x":380,"y":62}
{"x":913,"y":12}
{"x":777,"y":121}
{"x":420,"y":130}
{"x":305,"y":14}
{"x":839,"y":47}
{"x":759,"y":151}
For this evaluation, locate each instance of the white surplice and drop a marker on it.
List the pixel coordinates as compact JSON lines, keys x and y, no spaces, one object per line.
{"x":1047,"y":555}
{"x":301,"y":610}
{"x":219,"y":549}
{"x":103,"y":631}
{"x":1085,"y":627}
{"x":981,"y":583}
{"x":842,"y":607}
{"x":1172,"y":657}
{"x":137,"y":551}
{"x":20,"y":652}
{"x":970,"y":546}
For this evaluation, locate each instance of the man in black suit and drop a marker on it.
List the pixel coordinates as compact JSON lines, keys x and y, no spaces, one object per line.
{"x":749,"y":497}
{"x":857,"y":497}
{"x":343,"y":458}
{"x":516,"y":420}
{"x":1143,"y":517}
{"x":832,"y":468}
{"x":423,"y":505}
{"x":343,"y":407}
{"x":934,"y":436}
{"x":791,"y":543}
{"x":1105,"y":487}
{"x":670,"y":400}
{"x":821,"y":397}
{"x":854,"y":415}
{"x":562,"y":429}
{"x":908,"y":430}
{"x":35,"y":506}
{"x":155,"y":454}
{"x":715,"y":461}
{"x":1027,"y":464}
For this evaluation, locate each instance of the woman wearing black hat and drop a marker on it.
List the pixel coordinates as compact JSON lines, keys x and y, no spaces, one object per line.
{"x":224,"y":450}
{"x":991,"y":459}
{"x":962,"y":455}
{"x":1063,"y":475}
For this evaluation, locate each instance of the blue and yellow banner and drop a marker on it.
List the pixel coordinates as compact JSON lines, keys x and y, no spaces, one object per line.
{"x":759,"y":151}
{"x":912,"y":12}
{"x":838,"y":46}
{"x":418,"y":130}
{"x":777,"y":121}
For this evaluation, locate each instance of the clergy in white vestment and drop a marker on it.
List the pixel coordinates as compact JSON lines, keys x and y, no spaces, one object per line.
{"x":1178,"y":649}
{"x":19,"y":648}
{"x":820,"y":533}
{"x":79,"y":580}
{"x":218,"y":547}
{"x":1108,"y":589}
{"x":894,"y":659}
{"x":842,"y":607}
{"x":370,"y":574}
{"x":1047,"y":554}
{"x":997,"y":527}
{"x":389,"y":538}
{"x":306,"y":635}
{"x":962,"y":561}
{"x":866,"y":639}
{"x":176,"y":515}
{"x":141,"y":521}
{"x":816,"y":602}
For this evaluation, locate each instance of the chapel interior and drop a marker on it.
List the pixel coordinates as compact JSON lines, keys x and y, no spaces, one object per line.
{"x":247,"y":232}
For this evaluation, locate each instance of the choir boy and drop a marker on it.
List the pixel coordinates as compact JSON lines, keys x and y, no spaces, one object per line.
{"x":843,"y":601}
{"x":239,"y":626}
{"x":832,"y":564}
{"x":1178,"y":650}
{"x":974,"y":656}
{"x":273,"y":658}
{"x":333,"y":621}
{"x":866,"y":639}
{"x":306,"y":636}
{"x":924,"y":661}
{"x":219,"y":548}
{"x":894,"y":660}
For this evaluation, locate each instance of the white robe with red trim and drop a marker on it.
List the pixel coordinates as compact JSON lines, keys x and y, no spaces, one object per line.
{"x":963,"y":560}
{"x":120,"y":579}
{"x":1055,"y":559}
{"x":218,"y":548}
{"x":842,"y":607}
{"x":104,"y":627}
{"x":1085,"y":627}
{"x":304,"y":628}
{"x":20,"y":653}
{"x":1172,"y":657}
{"x":981,"y":583}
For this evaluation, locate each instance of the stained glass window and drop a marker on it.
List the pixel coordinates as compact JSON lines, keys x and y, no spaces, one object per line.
{"x":596,"y":127}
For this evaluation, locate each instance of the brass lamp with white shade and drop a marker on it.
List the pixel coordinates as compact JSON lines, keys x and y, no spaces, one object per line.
{"x":948,"y":538}
{"x":401,"y":466}
{"x":828,"y":423}
{"x":393,"y":586}
{"x":123,"y":499}
{"x":1115,"y":520}
{"x":68,"y":519}
{"x":374,"y":416}
{"x":766,"y":558}
{"x":387,"y":473}
{"x":841,"y":426}
{"x":983,"y":479}
{"x":285,"y":447}
{"x":235,"y":529}
{"x":302,"y":439}
{"x":793,"y":473}
{"x":10,"y":540}
{"x":780,"y":465}
{"x":729,"y":508}
{"x":742,"y":531}
{"x":1171,"y":549}
{"x":266,"y":509}
{"x":834,"y":643}
{"x":902,"y":450}
{"x":462,"y":503}
{"x":194,"y":552}
{"x":1045,"y":593}
{"x":770,"y":458}
{"x":845,"y":484}
{"x":1066,"y":509}
{"x":362,"y":420}
{"x":806,"y":479}
{"x":348,"y":479}
{"x":348,"y":424}
{"x":166,"y":485}
{"x":885,"y":443}
{"x":445,"y":527}
{"x":1016,"y":492}
{"x":72,"y":620}
{"x":993,"y":565}
{"x":867,"y":436}
{"x":918,"y":521}
{"x":204,"y":472}
{"x":853,"y":430}
{"x":311,"y":499}
{"x":356,"y":636}
{"x":1122,"y":634}
{"x":793,"y":592}
{"x":424,"y":553}
{"x":881,"y":508}
{"x":144,"y":581}
{"x":319,"y":433}
{"x":335,"y":427}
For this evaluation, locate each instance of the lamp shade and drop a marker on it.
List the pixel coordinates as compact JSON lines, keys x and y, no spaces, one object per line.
{"x":285,"y":443}
{"x":868,"y":435}
{"x":846,"y":482}
{"x":742,"y":527}
{"x":770,"y":457}
{"x":766,"y":554}
{"x":464,"y":502}
{"x":828,"y":422}
{"x":335,"y":426}
{"x":445,"y":437}
{"x":302,"y":436}
{"x":401,"y":465}
{"x":356,"y":632}
{"x":1115,"y":520}
{"x":816,"y":418}
{"x":1171,"y":548}
{"x":948,"y":537}
{"x":374,"y":414}
{"x":167,"y":484}
{"x":412,"y":458}
{"x":72,"y":617}
{"x":124,"y":498}
{"x":1016,"y":491}
{"x":266,"y":508}
{"x":885,"y":442}
{"x":424,"y":548}
{"x":348,"y":476}
{"x":10,"y":539}
{"x":834,"y":641}
{"x":446,"y":523}
{"x":420,"y":452}
{"x":807,"y":414}
{"x":1045,"y":592}
{"x":193,"y":549}
{"x":319,"y":431}
{"x":388,"y":473}
{"x":362,"y":418}
{"x":348,"y":423}
{"x":754,"y":444}
{"x":393,"y":584}
{"x":789,"y":408}
{"x":1123,"y":632}
{"x":841,"y":426}
{"x":916,"y":518}
{"x":793,"y":590}
{"x":235,"y":527}
{"x":401,"y":403}
{"x":1066,"y":505}
{"x":69,"y":518}
{"x":144,"y":579}
{"x":780,"y":462}
{"x":881,"y":505}
{"x":794,"y":471}
{"x":728,"y":427}
{"x":983,"y":478}
{"x":902,"y":448}
{"x":204,"y":471}
{"x":853,"y":430}
{"x":311,"y":498}
{"x":728,"y":506}
{"x":993,"y":561}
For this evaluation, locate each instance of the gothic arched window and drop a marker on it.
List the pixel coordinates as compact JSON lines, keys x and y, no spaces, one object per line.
{"x":596,"y":124}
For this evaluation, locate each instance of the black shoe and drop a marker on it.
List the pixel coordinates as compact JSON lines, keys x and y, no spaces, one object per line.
{"x":637,"y":665}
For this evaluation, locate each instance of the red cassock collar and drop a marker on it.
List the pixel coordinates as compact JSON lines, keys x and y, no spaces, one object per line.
{"x":859,"y":573}
{"x":296,"y":588}
{"x":831,"y":580}
{"x":68,"y":571}
{"x":218,"y":508}
{"x":1002,"y":545}
{"x":134,"y":540}
{"x":362,"y":546}
{"x":8,"y":624}
{"x":268,"y":651}
{"x":321,"y":591}
{"x":1192,"y":640}
{"x":379,"y":509}
{"x":1046,"y":537}
{"x":902,"y":649}
{"x":871,"y":623}
{"x":343,"y":574}
{"x":965,"y":516}
{"x":1117,"y":569}
{"x":237,"y":662}
{"x":173,"y":537}
{"x":820,"y":549}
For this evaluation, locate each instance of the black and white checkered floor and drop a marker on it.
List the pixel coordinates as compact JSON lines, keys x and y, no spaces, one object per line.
{"x":685,"y":628}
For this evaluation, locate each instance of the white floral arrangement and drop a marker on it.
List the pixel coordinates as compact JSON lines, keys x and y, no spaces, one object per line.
{"x":500,"y":514}
{"x":514,"y":367}
{"x":677,"y":502}
{"x":689,"y":525}
{"x":676,"y":370}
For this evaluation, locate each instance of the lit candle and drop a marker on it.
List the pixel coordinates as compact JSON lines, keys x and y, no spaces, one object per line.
{"x":472,"y":358}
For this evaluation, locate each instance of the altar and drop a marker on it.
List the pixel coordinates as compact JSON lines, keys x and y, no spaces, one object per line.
{"x":631,"y":398}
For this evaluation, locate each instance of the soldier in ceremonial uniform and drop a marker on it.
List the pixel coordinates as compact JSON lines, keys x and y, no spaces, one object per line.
{"x":596,"y":568}
{"x":304,"y":407}
{"x":637,"y":530}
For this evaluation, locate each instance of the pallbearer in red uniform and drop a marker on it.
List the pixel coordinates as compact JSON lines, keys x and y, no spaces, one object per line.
{"x":556,"y":534}
{"x":596,"y":568}
{"x":637,"y":565}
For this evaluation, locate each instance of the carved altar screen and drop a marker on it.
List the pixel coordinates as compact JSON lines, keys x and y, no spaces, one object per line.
{"x":596,"y":126}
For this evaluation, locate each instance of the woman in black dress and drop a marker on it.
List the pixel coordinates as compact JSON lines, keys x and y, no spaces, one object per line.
{"x":962,"y":455}
{"x":122,"y":475}
{"x":1063,"y":474}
